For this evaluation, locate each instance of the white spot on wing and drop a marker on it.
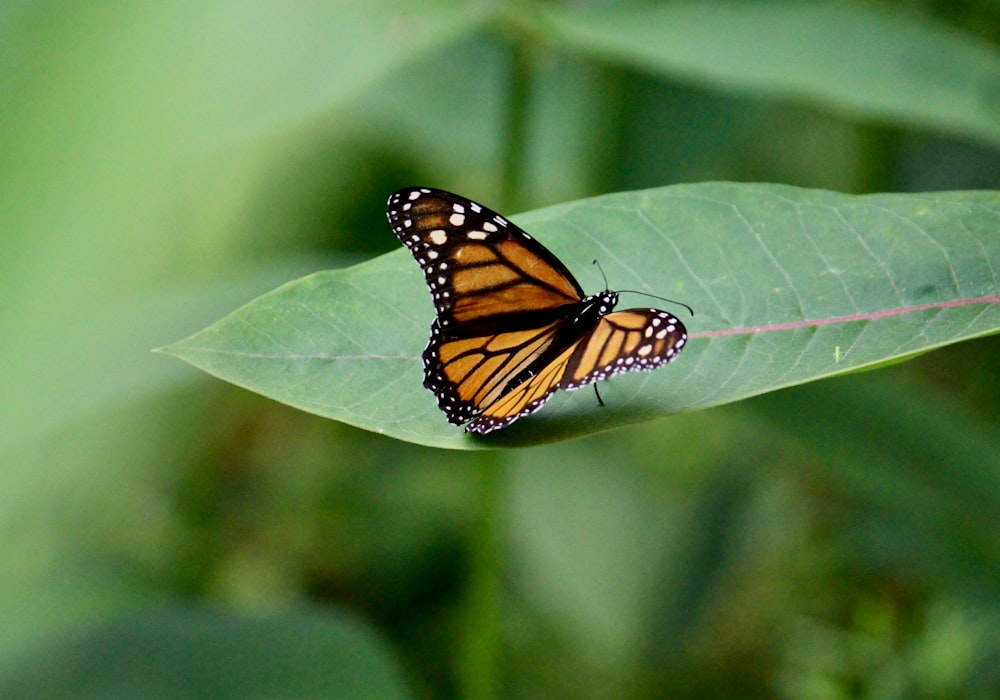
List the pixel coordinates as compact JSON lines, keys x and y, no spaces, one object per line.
{"x":438,"y":236}
{"x":477,"y":235}
{"x":456,"y":219}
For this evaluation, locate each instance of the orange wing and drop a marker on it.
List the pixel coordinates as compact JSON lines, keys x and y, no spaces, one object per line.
{"x":635,"y":339}
{"x":481,"y":268}
{"x":499,"y":295}
{"x":468,"y":374}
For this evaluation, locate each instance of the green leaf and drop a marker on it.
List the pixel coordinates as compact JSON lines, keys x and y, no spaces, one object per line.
{"x":848,"y":56}
{"x":188,"y":653}
{"x":789,"y":286}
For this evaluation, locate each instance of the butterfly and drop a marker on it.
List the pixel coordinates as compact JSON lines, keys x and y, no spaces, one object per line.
{"x":513,"y":325}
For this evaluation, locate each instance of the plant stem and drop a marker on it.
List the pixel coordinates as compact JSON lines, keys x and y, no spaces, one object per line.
{"x":481,"y":640}
{"x":514,"y":154}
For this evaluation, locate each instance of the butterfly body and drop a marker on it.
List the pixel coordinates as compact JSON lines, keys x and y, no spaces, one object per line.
{"x":513,"y":324}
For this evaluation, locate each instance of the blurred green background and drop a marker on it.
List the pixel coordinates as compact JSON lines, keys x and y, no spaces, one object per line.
{"x":163,"y":534}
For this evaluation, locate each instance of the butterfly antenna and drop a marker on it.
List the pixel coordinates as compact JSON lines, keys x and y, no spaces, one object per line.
{"x":669,"y":301}
{"x":645,"y":294}
{"x":598,"y":263}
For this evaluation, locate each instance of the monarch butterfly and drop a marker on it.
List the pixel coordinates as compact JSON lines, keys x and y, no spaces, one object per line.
{"x":513,"y":325}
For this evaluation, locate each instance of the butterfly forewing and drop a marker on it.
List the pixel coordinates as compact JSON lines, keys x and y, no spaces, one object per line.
{"x":478,"y":265}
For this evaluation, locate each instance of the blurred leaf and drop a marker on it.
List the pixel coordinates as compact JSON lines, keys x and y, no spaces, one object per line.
{"x":845,"y":55}
{"x":117,"y":120}
{"x":790,"y":285}
{"x":591,"y":544}
{"x":183,"y":653}
{"x":111,"y":360}
{"x":913,"y":454}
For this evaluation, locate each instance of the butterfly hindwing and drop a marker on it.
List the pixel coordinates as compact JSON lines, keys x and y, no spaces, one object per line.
{"x":512,"y":324}
{"x":468,"y":374}
{"x":622,"y":341}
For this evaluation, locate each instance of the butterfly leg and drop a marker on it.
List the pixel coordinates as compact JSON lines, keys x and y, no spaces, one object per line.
{"x":599,"y":401}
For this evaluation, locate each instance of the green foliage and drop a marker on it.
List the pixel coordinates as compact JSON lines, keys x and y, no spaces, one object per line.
{"x":845,"y":56}
{"x":160,"y":165}
{"x":292,"y":655}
